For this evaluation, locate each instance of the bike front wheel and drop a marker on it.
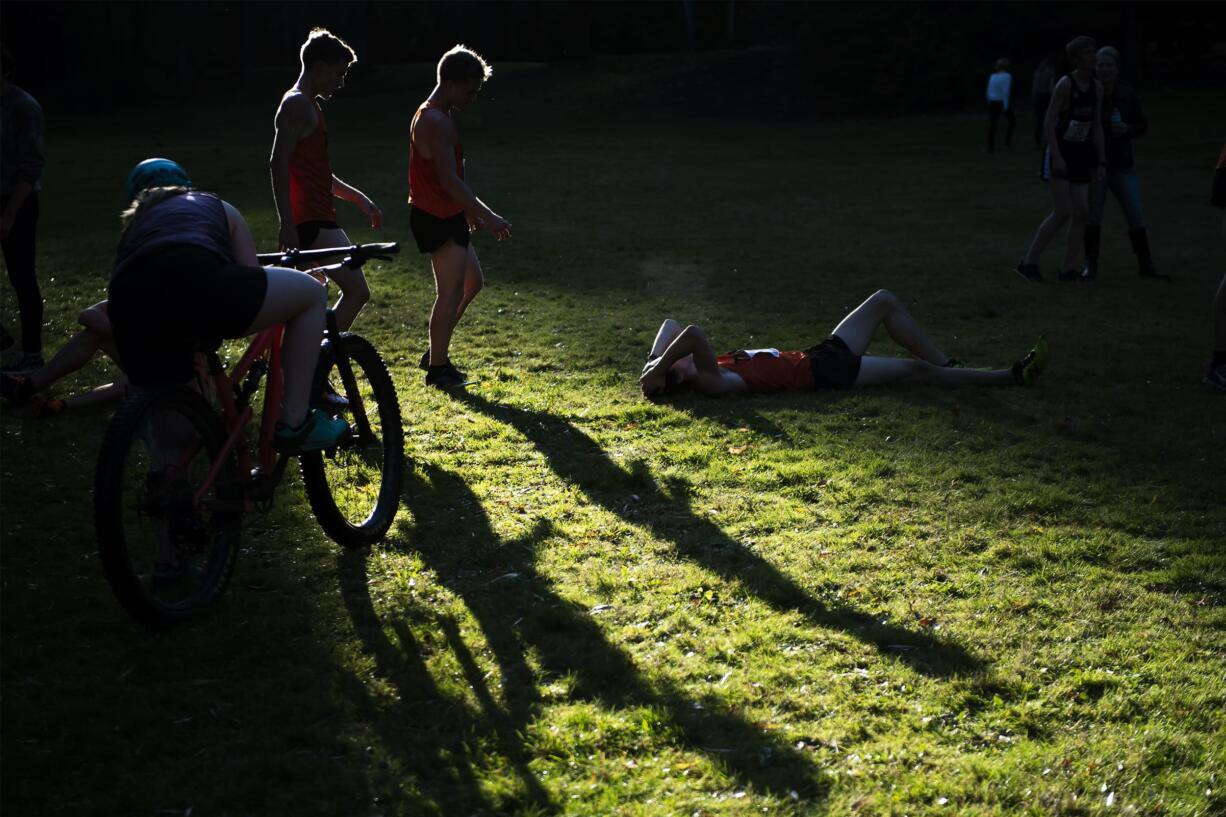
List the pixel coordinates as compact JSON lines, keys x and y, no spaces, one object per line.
{"x":167,"y":509}
{"x":354,"y":489}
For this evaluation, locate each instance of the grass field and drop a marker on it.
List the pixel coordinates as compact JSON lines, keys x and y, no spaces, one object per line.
{"x":906,"y":601}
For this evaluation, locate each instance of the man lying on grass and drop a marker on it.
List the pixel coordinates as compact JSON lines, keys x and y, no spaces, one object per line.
{"x":682,"y":359}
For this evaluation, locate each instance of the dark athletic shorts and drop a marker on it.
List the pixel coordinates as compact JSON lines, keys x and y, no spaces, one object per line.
{"x":166,"y":305}
{"x":1080,"y":159}
{"x":308,"y":231}
{"x":432,"y":232}
{"x":834,"y":366}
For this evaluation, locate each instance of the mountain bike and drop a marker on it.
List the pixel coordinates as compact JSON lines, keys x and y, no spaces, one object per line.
{"x":181,"y":464}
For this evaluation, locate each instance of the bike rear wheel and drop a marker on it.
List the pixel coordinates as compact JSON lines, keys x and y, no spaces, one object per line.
{"x":168,"y":544}
{"x":354,"y":489}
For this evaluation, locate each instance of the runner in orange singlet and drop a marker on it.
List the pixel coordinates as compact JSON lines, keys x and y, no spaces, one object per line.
{"x":303,"y":183}
{"x":683,"y":359}
{"x":444,"y":210}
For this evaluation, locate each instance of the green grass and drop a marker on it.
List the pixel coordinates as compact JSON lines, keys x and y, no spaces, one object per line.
{"x":907,"y":601}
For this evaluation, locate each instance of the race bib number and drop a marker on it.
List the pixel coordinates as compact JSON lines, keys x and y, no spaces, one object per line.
{"x":1077,"y":131}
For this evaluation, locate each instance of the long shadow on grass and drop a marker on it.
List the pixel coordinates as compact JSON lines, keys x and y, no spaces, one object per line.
{"x":431,"y":730}
{"x":577,"y":459}
{"x":520,"y":614}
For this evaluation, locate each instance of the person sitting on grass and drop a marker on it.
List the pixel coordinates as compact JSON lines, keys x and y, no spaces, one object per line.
{"x":94,"y":337}
{"x":682,"y":359}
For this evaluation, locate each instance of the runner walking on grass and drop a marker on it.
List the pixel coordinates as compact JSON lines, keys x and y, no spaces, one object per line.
{"x":683,"y":359}
{"x":1075,"y":144}
{"x":303,"y":184}
{"x":443,"y":208}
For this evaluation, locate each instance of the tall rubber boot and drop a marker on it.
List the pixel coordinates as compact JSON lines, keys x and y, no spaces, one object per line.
{"x":1093,"y":241}
{"x":1140,"y":245}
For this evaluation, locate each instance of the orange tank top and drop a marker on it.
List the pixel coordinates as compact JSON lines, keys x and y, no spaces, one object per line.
{"x":769,"y":370}
{"x":425,"y":190}
{"x":310,"y":175}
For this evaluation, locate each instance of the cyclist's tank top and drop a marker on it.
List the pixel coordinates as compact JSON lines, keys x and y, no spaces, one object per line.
{"x":310,"y":175}
{"x":425,"y":190}
{"x":769,"y":370}
{"x":1075,"y":122}
{"x":189,"y":218}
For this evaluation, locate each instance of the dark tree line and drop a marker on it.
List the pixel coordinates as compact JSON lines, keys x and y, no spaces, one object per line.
{"x":838,"y":56}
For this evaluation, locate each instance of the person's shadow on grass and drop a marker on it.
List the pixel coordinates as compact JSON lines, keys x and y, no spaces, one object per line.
{"x":666,"y":512}
{"x":538,"y":639}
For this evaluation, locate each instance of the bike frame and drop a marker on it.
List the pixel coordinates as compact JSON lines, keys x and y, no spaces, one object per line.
{"x":267,"y":342}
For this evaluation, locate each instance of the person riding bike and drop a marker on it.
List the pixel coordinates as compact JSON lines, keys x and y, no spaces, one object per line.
{"x":186,"y":275}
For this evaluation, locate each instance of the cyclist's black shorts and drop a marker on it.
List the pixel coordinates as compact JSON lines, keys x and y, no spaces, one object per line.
{"x":431,"y":232}
{"x":166,"y":305}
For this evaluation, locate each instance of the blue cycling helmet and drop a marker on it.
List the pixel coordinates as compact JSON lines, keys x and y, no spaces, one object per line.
{"x":156,"y":173}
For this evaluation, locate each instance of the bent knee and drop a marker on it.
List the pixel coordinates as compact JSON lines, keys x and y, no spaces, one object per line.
{"x":885,"y":298}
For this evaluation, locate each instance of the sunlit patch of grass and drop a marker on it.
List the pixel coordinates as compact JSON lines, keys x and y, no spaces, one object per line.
{"x":880,"y":602}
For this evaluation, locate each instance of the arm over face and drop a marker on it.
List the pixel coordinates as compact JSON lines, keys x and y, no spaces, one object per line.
{"x":708,"y":377}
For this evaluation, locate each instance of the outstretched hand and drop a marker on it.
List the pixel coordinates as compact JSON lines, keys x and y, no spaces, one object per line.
{"x":376,"y":215}
{"x":497,"y":226}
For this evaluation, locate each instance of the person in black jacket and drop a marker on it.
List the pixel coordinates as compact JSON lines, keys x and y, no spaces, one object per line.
{"x":1123,"y":120}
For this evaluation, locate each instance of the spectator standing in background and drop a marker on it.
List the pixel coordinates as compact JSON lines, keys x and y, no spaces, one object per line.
{"x":21,"y":171}
{"x":1123,"y":120}
{"x":1000,"y":86}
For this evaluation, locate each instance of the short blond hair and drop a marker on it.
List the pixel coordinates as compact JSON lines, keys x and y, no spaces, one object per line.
{"x":323,"y":46}
{"x":461,"y":63}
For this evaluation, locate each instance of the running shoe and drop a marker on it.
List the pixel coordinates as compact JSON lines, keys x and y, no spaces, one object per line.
{"x":330,"y":401}
{"x":446,"y":377}
{"x":317,"y":432}
{"x":42,"y":406}
{"x":1026,"y":371}
{"x":1030,"y":272}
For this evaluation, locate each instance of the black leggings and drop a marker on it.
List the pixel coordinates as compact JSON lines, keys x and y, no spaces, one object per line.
{"x":995,"y":109}
{"x":19,"y":259}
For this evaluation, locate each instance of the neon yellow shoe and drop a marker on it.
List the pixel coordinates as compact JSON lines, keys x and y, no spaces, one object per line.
{"x":1027,"y":370}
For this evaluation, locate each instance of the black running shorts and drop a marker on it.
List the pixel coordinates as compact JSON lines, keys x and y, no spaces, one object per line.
{"x":166,"y":305}
{"x":1080,"y":161}
{"x":834,"y":366}
{"x":308,"y":231}
{"x":431,"y":232}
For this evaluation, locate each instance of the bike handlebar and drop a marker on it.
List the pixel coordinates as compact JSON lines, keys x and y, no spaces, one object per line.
{"x":356,"y":254}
